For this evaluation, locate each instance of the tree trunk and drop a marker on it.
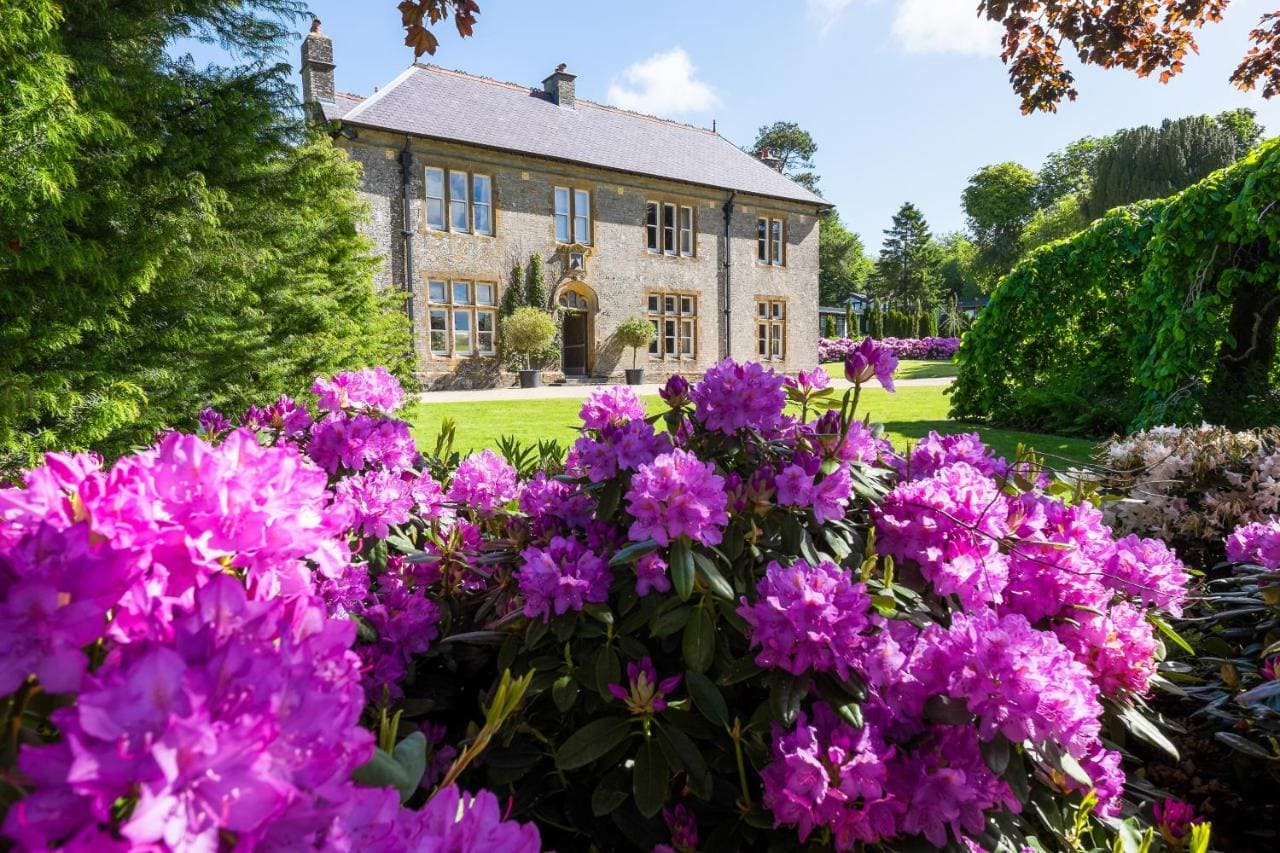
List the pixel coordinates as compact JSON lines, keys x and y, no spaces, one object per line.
{"x":1244,"y":367}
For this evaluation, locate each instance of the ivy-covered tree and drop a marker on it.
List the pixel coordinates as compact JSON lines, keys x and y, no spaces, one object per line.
{"x":1154,"y":162}
{"x":907,"y":269}
{"x":998,"y":201}
{"x":535,"y":284}
{"x":169,"y":237}
{"x":513,"y":295}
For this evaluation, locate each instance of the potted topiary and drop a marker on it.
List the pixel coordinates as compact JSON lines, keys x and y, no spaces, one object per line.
{"x":526,"y":333}
{"x":635,"y":332}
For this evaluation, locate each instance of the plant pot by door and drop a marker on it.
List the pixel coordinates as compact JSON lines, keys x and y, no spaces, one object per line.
{"x":530,"y":378}
{"x":635,"y":376}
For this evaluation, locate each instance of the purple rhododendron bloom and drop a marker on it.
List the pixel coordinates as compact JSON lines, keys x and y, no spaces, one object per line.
{"x":1174,"y":819}
{"x":560,"y":577}
{"x":935,"y":452}
{"x":675,"y":393}
{"x":1150,"y":571}
{"x":355,"y":442}
{"x":613,"y":405}
{"x":372,"y":389}
{"x":808,"y":381}
{"x":682,"y":823}
{"x":733,"y":396}
{"x":1258,"y":543}
{"x":644,"y":693}
{"x":484,"y":483}
{"x":871,"y":359}
{"x":675,"y":495}
{"x":651,"y":574}
{"x":808,"y":618}
{"x":212,"y":421}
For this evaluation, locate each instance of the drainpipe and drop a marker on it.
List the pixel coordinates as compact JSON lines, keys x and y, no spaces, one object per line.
{"x":728,"y":261}
{"x":406,"y":167}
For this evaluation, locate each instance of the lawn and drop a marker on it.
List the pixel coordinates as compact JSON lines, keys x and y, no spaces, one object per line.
{"x":907,"y":369}
{"x":907,"y":415}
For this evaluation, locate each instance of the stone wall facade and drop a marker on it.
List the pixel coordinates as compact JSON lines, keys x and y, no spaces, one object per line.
{"x":619,"y":276}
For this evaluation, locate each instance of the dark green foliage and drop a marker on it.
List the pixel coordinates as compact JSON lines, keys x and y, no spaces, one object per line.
{"x":1160,"y":312}
{"x":828,"y":325}
{"x":875,"y":323}
{"x":535,"y":284}
{"x":907,"y":270}
{"x":842,"y":261}
{"x":794,"y":149}
{"x":1242,"y":122}
{"x":513,"y":296}
{"x":170,"y":238}
{"x":1150,"y":162}
{"x":1067,"y":170}
{"x":999,"y":201}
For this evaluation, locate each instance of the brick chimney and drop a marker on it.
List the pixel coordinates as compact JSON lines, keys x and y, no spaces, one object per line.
{"x":773,"y":161}
{"x":560,"y":86}
{"x":317,"y":66}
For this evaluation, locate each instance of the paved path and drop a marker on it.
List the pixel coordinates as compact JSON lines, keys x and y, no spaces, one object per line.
{"x":558,"y":392}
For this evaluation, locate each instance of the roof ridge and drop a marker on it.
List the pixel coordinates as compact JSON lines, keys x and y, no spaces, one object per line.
{"x":535,"y":90}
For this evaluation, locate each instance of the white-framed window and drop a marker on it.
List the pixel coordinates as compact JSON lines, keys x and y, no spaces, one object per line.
{"x":462,"y":317}
{"x":482,"y":204}
{"x":669,"y":229}
{"x":459,"y":201}
{"x":675,"y":319}
{"x":582,"y":217}
{"x":573,"y":215}
{"x":771,"y":244}
{"x":435,"y":198}
{"x":771,"y":329}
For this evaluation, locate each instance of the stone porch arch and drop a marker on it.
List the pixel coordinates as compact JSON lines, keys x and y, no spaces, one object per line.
{"x":579,"y":305}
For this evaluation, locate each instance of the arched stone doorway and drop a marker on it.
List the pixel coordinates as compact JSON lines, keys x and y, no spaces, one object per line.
{"x":577,"y":303}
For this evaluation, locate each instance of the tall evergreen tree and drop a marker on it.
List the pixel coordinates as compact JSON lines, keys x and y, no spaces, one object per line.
{"x":843,"y":264}
{"x":907,"y":269}
{"x":535,"y":284}
{"x":169,"y":237}
{"x":513,"y":296}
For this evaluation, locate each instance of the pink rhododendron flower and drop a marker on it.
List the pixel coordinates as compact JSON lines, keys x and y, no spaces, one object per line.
{"x":561,"y":577}
{"x":677,"y":495}
{"x":935,"y":452}
{"x":1174,"y":819}
{"x":675,"y":393}
{"x":871,"y":359}
{"x":682,"y":823}
{"x":1148,"y":570}
{"x":212,"y":421}
{"x":651,"y":574}
{"x":372,"y":389}
{"x":733,"y":396}
{"x":808,"y":381}
{"x":483,"y":483}
{"x":1257,"y":543}
{"x":644,"y":693}
{"x":612,"y":405}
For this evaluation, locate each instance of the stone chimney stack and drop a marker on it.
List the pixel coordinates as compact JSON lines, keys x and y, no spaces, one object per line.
{"x":773,"y":161}
{"x":560,"y":86}
{"x":317,"y":66}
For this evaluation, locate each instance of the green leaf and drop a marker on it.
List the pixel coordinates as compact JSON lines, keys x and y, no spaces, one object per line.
{"x":681,"y":563}
{"x":1244,"y":746}
{"x":995,"y":753}
{"x":687,"y":754}
{"x":607,"y":796}
{"x":401,"y":769}
{"x":607,"y":502}
{"x":1144,"y":729}
{"x":608,"y":670}
{"x":564,"y":692}
{"x":699,"y":642}
{"x":707,"y":697}
{"x":1168,"y":631}
{"x":599,"y":612}
{"x":715,"y":581}
{"x":592,"y":741}
{"x":649,"y":779}
{"x":785,"y":697}
{"x":633,"y":552}
{"x":666,"y":624}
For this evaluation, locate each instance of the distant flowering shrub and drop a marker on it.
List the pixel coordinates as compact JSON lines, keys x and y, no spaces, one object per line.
{"x":933,"y":349}
{"x":730,"y":624}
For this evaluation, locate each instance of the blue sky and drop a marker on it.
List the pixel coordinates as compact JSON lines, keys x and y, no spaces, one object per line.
{"x":906,"y":98}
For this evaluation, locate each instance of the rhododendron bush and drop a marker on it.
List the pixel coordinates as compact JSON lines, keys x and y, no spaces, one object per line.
{"x":936,"y":349}
{"x":737,"y":624}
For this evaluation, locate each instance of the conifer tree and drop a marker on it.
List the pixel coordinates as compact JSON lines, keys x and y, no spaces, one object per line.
{"x":907,"y":270}
{"x":513,"y":296}
{"x":535,"y":287}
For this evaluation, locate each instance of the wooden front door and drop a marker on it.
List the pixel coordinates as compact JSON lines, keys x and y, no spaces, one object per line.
{"x":574,"y":357}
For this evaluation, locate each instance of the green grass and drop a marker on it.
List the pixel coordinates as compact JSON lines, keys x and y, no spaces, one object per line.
{"x":907,"y":415}
{"x":907,"y":369}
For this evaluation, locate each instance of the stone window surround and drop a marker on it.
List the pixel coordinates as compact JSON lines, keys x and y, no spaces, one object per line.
{"x":773,"y":323}
{"x":446,"y":166}
{"x":678,"y":227}
{"x":573,"y":189}
{"x":472,"y":308}
{"x":776,"y":235}
{"x":657,"y":347}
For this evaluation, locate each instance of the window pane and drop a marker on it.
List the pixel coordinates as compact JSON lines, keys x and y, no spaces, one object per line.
{"x":562,"y":214}
{"x":581,"y":216}
{"x":778,"y":310}
{"x":686,"y":337}
{"x":670,"y":334}
{"x":484,"y":294}
{"x":653,"y":303}
{"x":686,"y":305}
{"x":653,"y":344}
{"x":458,"y":218}
{"x":439,"y":333}
{"x":484,"y":218}
{"x":776,"y":343}
{"x":435,"y":199}
{"x":669,"y":304}
{"x":762,"y":309}
{"x":762,"y":336}
{"x":669,"y":229}
{"x":462,"y":332}
{"x":651,"y":225}
{"x":482,"y":189}
{"x":462,"y":293}
{"x":777,"y":241}
{"x":686,"y":230}
{"x":436,"y":292}
{"x":484,"y":331}
{"x":762,"y":241}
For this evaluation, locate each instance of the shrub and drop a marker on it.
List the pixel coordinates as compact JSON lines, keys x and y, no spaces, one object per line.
{"x":775,"y":630}
{"x":635,"y":332}
{"x":939,"y":349}
{"x":527,"y":333}
{"x":513,"y":297}
{"x":535,"y":286}
{"x":1191,"y":486}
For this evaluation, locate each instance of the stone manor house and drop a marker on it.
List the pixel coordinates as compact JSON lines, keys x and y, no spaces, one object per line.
{"x":633,"y":215}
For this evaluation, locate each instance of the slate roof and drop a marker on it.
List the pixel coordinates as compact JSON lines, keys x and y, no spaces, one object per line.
{"x":343,"y":103}
{"x":428,"y":101}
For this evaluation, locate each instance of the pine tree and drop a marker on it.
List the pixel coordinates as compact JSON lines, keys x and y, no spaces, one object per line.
{"x":535,"y":284}
{"x":907,"y":270}
{"x":513,"y":296}
{"x":828,"y":325}
{"x":170,"y":237}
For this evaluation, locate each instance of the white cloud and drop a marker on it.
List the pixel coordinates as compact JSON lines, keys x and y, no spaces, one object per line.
{"x":824,"y":13}
{"x":665,"y":84}
{"x":945,"y":26}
